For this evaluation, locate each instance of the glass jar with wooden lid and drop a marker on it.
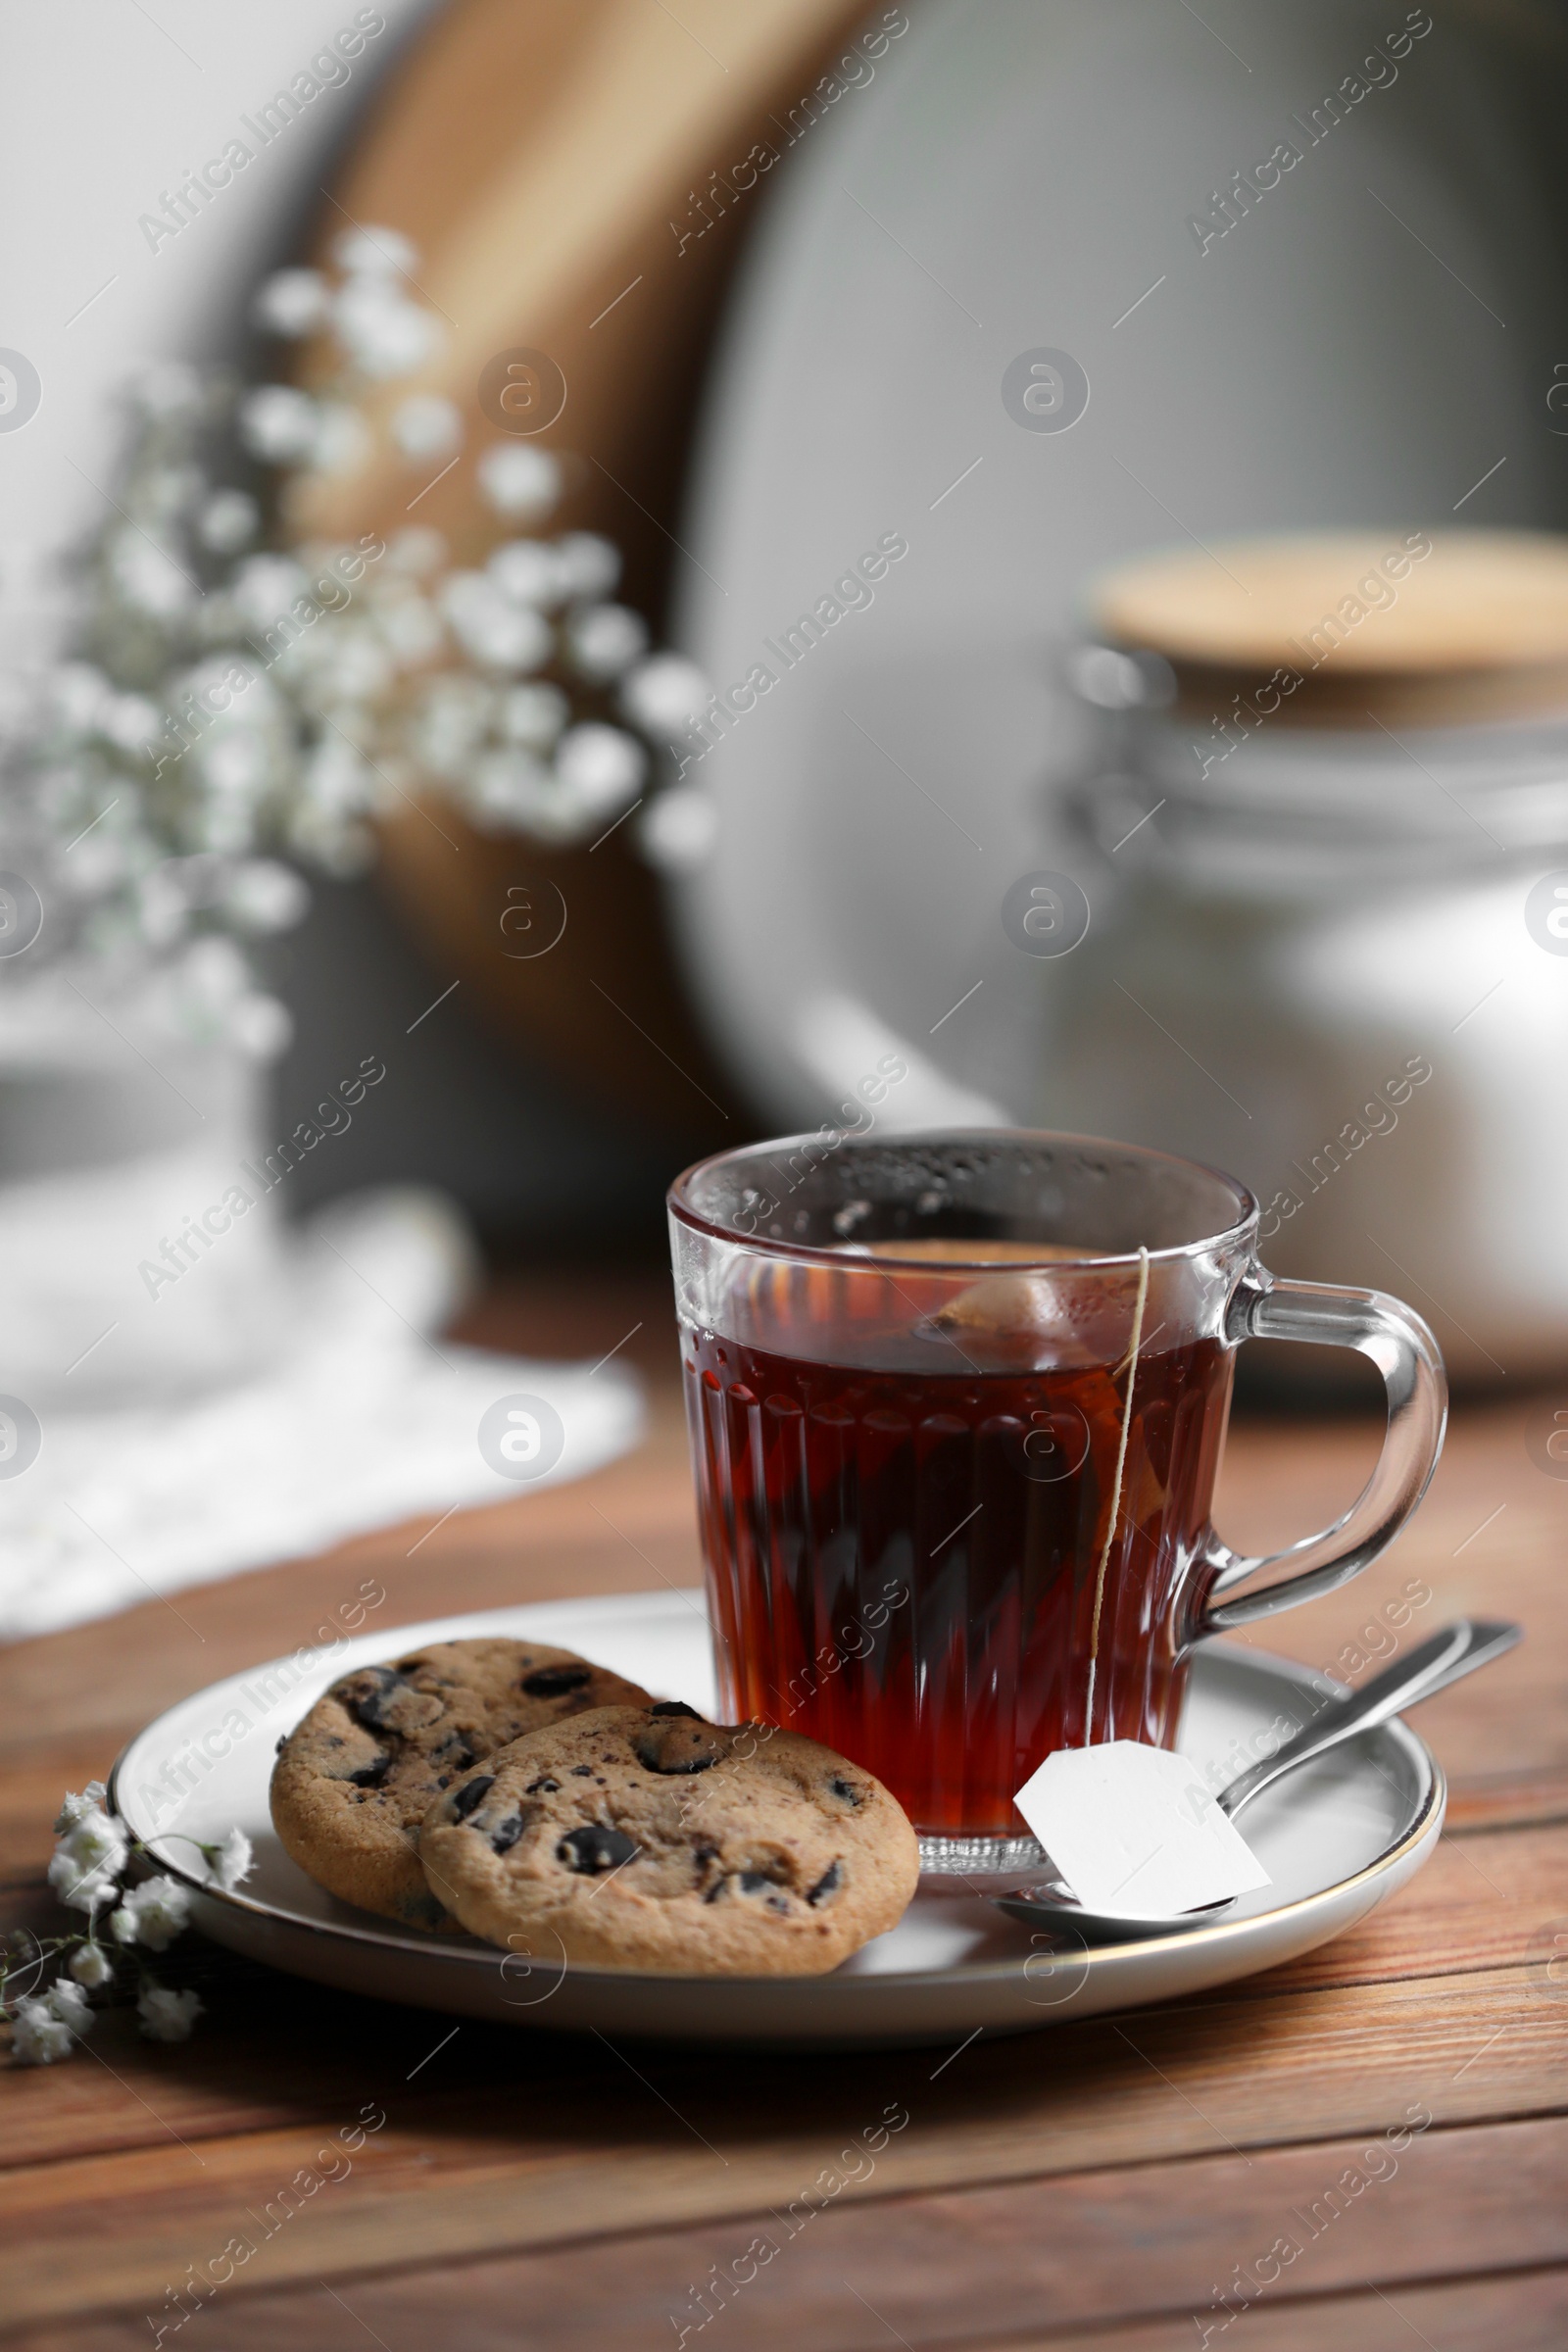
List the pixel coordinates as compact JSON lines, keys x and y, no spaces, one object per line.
{"x":1324,"y":843}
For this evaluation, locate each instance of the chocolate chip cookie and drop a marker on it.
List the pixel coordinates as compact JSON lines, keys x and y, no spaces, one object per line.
{"x":354,"y":1779}
{"x":646,"y":1837}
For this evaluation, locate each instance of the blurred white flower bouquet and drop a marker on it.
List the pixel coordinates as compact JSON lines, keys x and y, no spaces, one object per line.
{"x":229,"y":706}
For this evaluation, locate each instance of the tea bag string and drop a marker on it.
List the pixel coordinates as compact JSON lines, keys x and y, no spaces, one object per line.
{"x":1115,"y":1492}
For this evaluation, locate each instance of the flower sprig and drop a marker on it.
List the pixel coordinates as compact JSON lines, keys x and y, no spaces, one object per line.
{"x":90,"y":1872}
{"x":239,"y":693}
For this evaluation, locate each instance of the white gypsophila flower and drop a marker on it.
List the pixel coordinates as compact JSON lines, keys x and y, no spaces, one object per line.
{"x":69,"y":2003}
{"x":261,"y":895}
{"x":167,"y":2015}
{"x":130,"y":722}
{"x":590,"y":564}
{"x":228,"y":521}
{"x":663,"y":695}
{"x":600,"y":767}
{"x":349,"y":661}
{"x":258,"y":1027}
{"x":374,"y":252}
{"x":77,"y":693}
{"x":603,"y":640}
{"x":265,"y":587}
{"x":419,"y":550}
{"x":97,"y":1841}
{"x":450,"y":722}
{"x":79,"y":1888}
{"x":409,"y":624}
{"x":74,"y":1808}
{"x":677,"y":831}
{"x":162,"y":908}
{"x":99,"y":862}
{"x":148,"y":576}
{"x":38,"y":2038}
{"x":291,"y":302}
{"x":492,"y":630}
{"x":214,"y":973}
{"x":166,"y":493}
{"x":278,"y":423}
{"x":91,"y":1966}
{"x":343,"y":439}
{"x":334,"y":780}
{"x":382,"y":331}
{"x":528,"y":571}
{"x":426,"y":425}
{"x":153,"y":1913}
{"x":519,"y":483}
{"x":339,"y":847}
{"x":237,"y":762}
{"x":231,"y":1862}
{"x":532,"y":715}
{"x":511,"y":788}
{"x":227,"y":824}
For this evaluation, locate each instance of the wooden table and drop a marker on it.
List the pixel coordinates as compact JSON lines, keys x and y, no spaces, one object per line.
{"x":1088,"y":2185}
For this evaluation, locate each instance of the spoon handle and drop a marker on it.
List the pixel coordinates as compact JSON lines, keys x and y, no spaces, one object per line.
{"x":1458,"y":1649}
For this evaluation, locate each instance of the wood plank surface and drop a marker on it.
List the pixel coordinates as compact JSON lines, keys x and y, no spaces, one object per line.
{"x":1091,"y":2183}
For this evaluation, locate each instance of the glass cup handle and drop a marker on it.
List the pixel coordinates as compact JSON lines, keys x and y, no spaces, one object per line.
{"x":1404,"y":1352}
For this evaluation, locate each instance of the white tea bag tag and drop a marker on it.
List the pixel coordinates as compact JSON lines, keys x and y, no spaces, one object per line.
{"x":1135,"y":1832}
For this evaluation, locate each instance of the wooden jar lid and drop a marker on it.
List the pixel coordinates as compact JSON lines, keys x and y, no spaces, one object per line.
{"x":1436,"y":628}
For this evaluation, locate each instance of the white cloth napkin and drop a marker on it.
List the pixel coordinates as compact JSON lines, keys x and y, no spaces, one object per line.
{"x":360,"y":1421}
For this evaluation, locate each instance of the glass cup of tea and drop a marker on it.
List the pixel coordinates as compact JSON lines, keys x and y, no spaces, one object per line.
{"x":957,"y":1404}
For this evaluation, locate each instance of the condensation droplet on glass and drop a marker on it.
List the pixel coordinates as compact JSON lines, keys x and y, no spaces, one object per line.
{"x":929,"y":1202}
{"x":852,"y":1213}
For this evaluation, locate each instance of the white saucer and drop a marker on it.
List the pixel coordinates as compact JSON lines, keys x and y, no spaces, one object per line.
{"x":1336,"y":1839}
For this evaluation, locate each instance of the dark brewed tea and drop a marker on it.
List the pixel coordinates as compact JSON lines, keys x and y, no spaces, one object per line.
{"x":911,"y":1554}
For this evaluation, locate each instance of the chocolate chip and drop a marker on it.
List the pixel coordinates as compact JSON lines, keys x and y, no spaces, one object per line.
{"x":595,"y":1848}
{"x":829,"y":1883}
{"x":284,"y":1740}
{"x":411,"y":1665}
{"x":687,"y":1764}
{"x":504,"y":1837}
{"x":675,"y":1706}
{"x":553,"y":1682}
{"x":582,"y":1772}
{"x":670,"y":1748}
{"x":472,"y":1794}
{"x":845,"y":1789}
{"x":370,"y":1775}
{"x":380,"y":1686}
{"x":546,"y":1787}
{"x":759,"y":1882}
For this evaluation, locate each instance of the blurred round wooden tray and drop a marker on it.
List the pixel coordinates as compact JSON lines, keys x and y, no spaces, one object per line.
{"x":547,"y":163}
